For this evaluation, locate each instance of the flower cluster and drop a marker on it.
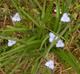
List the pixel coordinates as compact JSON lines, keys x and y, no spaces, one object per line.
{"x":53,"y":37}
{"x":15,"y":18}
{"x":65,"y":18}
{"x":59,"y":44}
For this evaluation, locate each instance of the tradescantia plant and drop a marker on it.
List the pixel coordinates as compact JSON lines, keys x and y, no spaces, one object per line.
{"x":35,"y":43}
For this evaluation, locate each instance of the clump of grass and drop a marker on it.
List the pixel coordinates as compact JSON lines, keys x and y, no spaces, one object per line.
{"x":32,"y":49}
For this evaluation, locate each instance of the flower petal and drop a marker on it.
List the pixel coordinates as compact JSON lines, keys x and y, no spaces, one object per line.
{"x":52,"y":35}
{"x":51,"y":40}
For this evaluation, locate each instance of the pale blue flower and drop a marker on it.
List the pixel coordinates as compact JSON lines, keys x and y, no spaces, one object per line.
{"x":51,"y":37}
{"x":60,"y":43}
{"x":50,"y":64}
{"x":65,"y":18}
{"x":16,"y":18}
{"x":11,"y":42}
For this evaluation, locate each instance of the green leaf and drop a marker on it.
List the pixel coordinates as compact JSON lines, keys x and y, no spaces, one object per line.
{"x":68,"y":58}
{"x":36,"y":66}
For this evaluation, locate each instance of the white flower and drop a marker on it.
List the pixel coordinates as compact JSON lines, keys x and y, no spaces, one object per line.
{"x":60,"y":43}
{"x":16,"y":18}
{"x":50,"y":64}
{"x":11,"y":42}
{"x":65,"y":18}
{"x":51,"y":37}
